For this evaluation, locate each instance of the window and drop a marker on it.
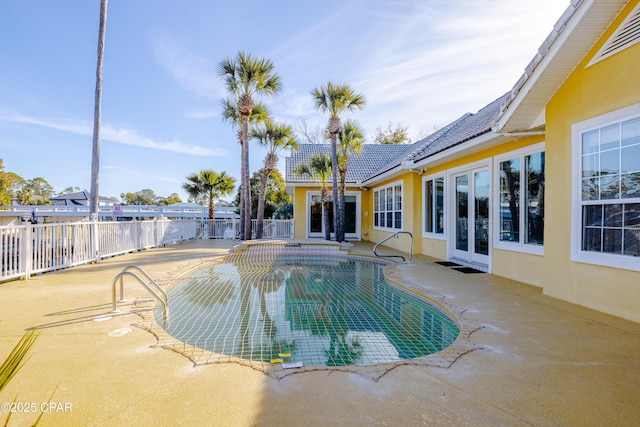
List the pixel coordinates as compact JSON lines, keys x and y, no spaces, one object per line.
{"x":607,"y":204}
{"x":387,"y":207}
{"x":521,"y":181}
{"x":434,"y":205}
{"x":610,"y":182}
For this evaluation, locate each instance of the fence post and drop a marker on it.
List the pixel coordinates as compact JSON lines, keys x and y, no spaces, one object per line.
{"x":27,"y":250}
{"x":95,"y":237}
{"x":161,"y":240}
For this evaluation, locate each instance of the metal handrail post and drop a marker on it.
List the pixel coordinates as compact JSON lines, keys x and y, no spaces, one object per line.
{"x":396,"y":236}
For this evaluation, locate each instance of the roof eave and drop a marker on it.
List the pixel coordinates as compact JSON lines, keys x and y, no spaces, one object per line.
{"x":479,"y":143}
{"x":557,"y":58}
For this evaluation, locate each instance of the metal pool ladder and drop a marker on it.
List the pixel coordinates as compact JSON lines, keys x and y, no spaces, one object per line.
{"x":395,"y":256}
{"x":149,"y":284}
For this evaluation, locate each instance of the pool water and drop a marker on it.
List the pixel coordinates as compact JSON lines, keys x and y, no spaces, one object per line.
{"x":313,"y":311}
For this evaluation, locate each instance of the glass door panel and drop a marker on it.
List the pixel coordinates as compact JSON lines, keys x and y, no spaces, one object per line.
{"x":315,"y":213}
{"x":471,"y":223}
{"x":351,"y":212}
{"x":462,"y":212}
{"x":481,"y":211}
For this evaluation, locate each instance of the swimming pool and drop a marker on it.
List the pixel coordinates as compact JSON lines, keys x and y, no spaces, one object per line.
{"x":297,"y":310}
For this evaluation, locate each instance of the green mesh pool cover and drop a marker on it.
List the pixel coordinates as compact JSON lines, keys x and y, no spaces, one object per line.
{"x":304,"y":310}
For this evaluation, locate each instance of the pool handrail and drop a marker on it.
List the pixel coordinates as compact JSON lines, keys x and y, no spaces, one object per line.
{"x":152,"y":286}
{"x":395,"y":256}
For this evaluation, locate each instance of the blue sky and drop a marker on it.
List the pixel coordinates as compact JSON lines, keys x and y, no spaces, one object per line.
{"x":419,"y":63}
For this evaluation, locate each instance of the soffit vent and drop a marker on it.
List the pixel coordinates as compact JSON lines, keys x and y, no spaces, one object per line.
{"x":627,"y":35}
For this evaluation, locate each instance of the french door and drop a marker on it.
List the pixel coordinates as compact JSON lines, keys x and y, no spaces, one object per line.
{"x":471,"y":223}
{"x":315,"y":223}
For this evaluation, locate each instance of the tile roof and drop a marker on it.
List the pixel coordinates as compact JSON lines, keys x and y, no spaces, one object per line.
{"x":457,"y":132}
{"x":376,"y":159}
{"x":464,"y":129}
{"x":361,"y":166}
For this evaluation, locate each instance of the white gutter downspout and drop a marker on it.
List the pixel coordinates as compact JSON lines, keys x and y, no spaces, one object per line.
{"x":522,"y":134}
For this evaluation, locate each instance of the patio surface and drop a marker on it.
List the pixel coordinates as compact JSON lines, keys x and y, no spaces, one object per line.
{"x":537,"y":360}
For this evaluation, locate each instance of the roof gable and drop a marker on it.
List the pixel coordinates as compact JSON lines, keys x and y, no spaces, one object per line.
{"x":574,"y":35}
{"x":625,"y":36}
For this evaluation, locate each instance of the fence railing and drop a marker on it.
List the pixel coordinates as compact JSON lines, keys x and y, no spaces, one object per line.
{"x":230,"y":229}
{"x":37,"y":248}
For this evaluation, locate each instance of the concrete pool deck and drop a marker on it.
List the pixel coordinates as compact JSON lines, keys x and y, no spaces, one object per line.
{"x":537,"y":361}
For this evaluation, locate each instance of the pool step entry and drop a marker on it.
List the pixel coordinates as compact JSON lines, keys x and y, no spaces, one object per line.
{"x":146,"y":281}
{"x":396,"y":235}
{"x":305,"y":248}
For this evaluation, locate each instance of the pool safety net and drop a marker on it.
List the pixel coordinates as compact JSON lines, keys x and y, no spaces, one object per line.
{"x":284,"y":311}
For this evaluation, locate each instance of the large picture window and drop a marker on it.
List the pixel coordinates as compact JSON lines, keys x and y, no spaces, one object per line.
{"x":521,"y":182}
{"x":607,"y":203}
{"x":610,"y":171}
{"x":434,"y":205}
{"x":387,"y":207}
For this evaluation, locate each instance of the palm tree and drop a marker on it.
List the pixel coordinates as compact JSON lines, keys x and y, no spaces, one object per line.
{"x":97,"y":112}
{"x":335,"y":99}
{"x":274,"y":137}
{"x":350,"y":141}
{"x":245,"y":77}
{"x":209,"y":185}
{"x":319,"y":166}
{"x":231,"y":114}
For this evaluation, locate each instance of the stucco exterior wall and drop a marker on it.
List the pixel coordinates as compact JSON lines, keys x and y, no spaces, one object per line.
{"x":409,"y":206}
{"x":300,"y":212}
{"x":526,"y":268}
{"x":603,"y":87}
{"x":514,"y":265}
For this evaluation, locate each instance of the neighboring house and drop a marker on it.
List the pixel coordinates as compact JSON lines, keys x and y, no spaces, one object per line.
{"x":540,"y":186}
{"x":220,"y":212}
{"x":81,"y":198}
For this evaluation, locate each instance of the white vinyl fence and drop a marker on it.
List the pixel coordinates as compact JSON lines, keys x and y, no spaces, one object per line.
{"x":230,"y":229}
{"x":37,"y":248}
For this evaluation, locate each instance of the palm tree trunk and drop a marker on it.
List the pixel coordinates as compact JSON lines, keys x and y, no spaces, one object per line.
{"x":342,"y":213}
{"x":270,"y":163}
{"x":260,"y":214}
{"x":325,"y":214}
{"x":97,"y":112}
{"x":246,"y":186}
{"x":212,"y":215}
{"x":334,"y":184}
{"x":241,"y":193}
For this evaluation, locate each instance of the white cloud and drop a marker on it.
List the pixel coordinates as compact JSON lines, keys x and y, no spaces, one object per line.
{"x":192,"y":71}
{"x":115,"y":134}
{"x":202,"y":114}
{"x":128,"y":172}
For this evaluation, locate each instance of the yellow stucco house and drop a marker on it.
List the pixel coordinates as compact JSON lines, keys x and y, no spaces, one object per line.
{"x":541,"y":186}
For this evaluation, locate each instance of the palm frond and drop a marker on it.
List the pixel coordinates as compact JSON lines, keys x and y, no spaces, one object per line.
{"x":335,"y":98}
{"x":16,"y":359}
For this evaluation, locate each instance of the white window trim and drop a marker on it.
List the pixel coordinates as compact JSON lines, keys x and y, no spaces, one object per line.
{"x":625,"y":262}
{"x":500,"y":244}
{"x":431,"y":235}
{"x":373,"y":211}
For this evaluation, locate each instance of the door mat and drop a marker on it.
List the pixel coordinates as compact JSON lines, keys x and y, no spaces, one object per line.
{"x":468,"y":270}
{"x":448,"y":263}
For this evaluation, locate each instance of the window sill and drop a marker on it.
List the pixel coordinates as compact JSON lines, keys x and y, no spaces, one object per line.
{"x":519,"y":247}
{"x":624,"y":262}
{"x":434,"y":236}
